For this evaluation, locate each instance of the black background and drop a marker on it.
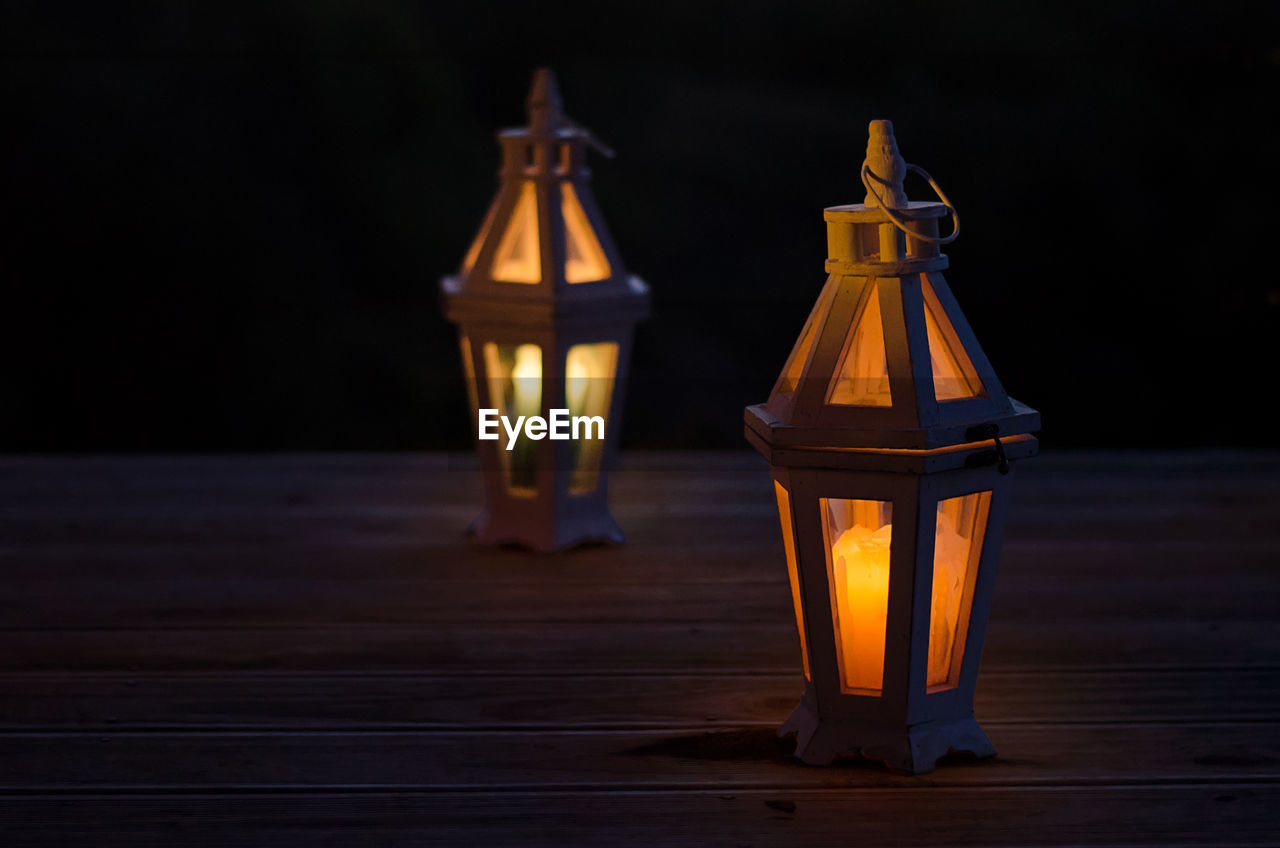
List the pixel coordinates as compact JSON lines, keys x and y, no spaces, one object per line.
{"x":224,"y":223}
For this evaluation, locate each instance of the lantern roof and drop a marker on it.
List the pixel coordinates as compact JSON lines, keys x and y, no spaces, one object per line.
{"x":886,"y":359}
{"x":544,"y":247}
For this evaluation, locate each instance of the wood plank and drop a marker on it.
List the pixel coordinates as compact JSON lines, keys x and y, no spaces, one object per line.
{"x":115,"y":514}
{"x":1238,"y":814}
{"x":317,"y":481}
{"x":100,"y":594}
{"x":288,"y":513}
{"x":1055,"y":461}
{"x":437,"y":531}
{"x":365,"y":700}
{"x":546,"y":760}
{"x":611,"y":695}
{"x":721,"y":556}
{"x":618,"y":646}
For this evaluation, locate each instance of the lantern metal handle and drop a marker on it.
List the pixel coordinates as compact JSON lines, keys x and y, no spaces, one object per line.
{"x":594,"y":143}
{"x":955,"y":216}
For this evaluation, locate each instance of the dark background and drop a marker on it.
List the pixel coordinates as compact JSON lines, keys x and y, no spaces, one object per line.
{"x":224,"y":223}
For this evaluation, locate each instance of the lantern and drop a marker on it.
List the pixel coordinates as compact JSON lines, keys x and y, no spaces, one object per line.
{"x":890,"y":442}
{"x":545,"y":311}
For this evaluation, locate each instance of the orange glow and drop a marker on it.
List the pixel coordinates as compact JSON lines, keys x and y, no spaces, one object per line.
{"x":800,"y":354}
{"x":859,"y":535}
{"x":473,"y":252}
{"x":862,"y":377}
{"x":526,"y":378}
{"x":518,"y":258}
{"x":793,"y":574}
{"x":584,"y":260}
{"x":953,"y":375}
{"x":965,"y":446}
{"x":957,"y":547}
{"x":514,"y":375}
{"x":588,"y":388}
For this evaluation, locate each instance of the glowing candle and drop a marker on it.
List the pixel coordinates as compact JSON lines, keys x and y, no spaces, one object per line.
{"x":526,"y":378}
{"x":526,"y":397}
{"x":860,"y":562}
{"x":588,"y":372}
{"x":577,"y":373}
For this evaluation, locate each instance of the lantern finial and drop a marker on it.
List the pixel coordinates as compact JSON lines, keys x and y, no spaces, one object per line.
{"x":886,"y":165}
{"x":546,"y":114}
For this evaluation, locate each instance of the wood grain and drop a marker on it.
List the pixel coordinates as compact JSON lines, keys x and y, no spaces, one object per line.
{"x":609,"y":645}
{"x":662,"y":699}
{"x":304,"y":650}
{"x":1241,"y":813}
{"x":1030,"y":755}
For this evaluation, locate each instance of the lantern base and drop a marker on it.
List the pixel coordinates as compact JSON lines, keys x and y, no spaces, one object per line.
{"x":914,"y":750}
{"x":596,"y":527}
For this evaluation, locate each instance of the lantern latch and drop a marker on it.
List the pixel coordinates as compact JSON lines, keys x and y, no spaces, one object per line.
{"x":996,"y":456}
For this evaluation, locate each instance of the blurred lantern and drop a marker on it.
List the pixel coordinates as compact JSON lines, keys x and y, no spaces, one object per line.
{"x":545,"y":312}
{"x":889,"y":439}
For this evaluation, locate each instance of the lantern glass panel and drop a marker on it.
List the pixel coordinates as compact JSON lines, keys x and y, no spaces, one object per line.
{"x":473,"y":252}
{"x":954,"y":377}
{"x":800,"y":354}
{"x":862,"y":377}
{"x":588,"y":387}
{"x":859,"y":534}
{"x":789,"y":544}
{"x":518,"y":258}
{"x":584,"y":260}
{"x":514,"y":373}
{"x":957,"y":547}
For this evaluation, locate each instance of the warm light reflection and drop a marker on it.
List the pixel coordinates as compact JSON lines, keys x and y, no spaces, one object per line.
{"x":953,"y":375}
{"x":957,"y":547}
{"x":527,"y":380}
{"x":584,"y":260}
{"x":800,"y":354}
{"x":793,"y":573}
{"x":588,"y":388}
{"x":862,"y":376}
{"x":859,"y":535}
{"x":514,"y":374}
{"x":473,"y":252}
{"x":576,"y":374}
{"x":518,"y":258}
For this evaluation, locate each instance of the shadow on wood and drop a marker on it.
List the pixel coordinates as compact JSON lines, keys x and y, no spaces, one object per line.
{"x":759,"y":745}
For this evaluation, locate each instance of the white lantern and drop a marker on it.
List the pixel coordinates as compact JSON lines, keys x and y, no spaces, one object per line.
{"x":890,"y":440}
{"x":545,"y":312}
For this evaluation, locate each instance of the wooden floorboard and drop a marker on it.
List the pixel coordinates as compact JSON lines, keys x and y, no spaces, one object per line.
{"x":621,"y":646}
{"x":1206,"y":815}
{"x":1030,"y":755}
{"x":304,"y":650}
{"x":354,"y":700}
{"x":1029,"y":583}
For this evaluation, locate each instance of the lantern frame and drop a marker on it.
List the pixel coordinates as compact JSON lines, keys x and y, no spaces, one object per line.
{"x":554,"y":314}
{"x":915,"y":453}
{"x":909,"y":725}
